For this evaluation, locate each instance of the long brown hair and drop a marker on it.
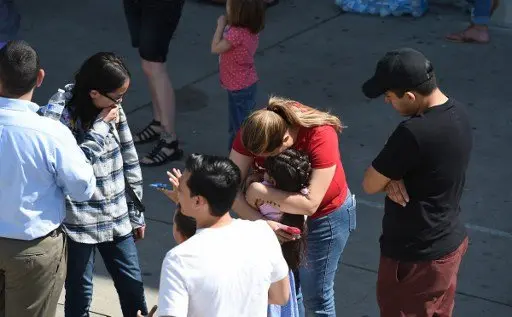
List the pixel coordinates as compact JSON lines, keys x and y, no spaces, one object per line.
{"x":264,"y":129}
{"x":249,"y":14}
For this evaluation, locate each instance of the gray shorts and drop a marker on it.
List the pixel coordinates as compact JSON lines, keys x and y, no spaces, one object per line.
{"x":152,"y":24}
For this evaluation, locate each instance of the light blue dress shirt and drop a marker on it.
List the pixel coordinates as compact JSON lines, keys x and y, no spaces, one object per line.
{"x":40,"y":163}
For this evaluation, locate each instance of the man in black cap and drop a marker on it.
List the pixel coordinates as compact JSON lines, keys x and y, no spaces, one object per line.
{"x":422,"y":170}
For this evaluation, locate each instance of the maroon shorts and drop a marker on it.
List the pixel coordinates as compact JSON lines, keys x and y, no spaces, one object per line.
{"x":419,"y":289}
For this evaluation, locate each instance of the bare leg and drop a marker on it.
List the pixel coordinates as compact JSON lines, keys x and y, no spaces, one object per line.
{"x":156,"y":111}
{"x":164,"y":111}
{"x":162,"y":96}
{"x":159,"y":20}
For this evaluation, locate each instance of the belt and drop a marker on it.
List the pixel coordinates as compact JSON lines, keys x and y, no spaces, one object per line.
{"x":53,"y":233}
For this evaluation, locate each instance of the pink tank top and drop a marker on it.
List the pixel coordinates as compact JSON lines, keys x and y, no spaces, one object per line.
{"x":268,"y":211}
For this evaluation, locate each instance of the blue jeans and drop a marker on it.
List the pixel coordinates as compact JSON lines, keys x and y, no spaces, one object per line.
{"x":327,"y":237}
{"x":481,"y":13}
{"x":290,"y":309}
{"x":122,"y":262}
{"x":241,"y":104}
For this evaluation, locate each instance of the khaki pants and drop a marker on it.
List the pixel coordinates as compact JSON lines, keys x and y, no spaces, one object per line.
{"x":32,"y":274}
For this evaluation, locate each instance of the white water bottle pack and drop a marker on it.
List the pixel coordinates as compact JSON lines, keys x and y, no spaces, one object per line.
{"x":384,"y":8}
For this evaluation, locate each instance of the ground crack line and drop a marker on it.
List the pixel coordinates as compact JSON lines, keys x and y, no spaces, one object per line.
{"x":362,"y":268}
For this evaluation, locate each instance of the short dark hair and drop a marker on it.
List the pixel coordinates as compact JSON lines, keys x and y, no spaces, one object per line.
{"x":249,"y":14}
{"x":215,"y":178}
{"x":19,"y":68}
{"x":184,"y":224}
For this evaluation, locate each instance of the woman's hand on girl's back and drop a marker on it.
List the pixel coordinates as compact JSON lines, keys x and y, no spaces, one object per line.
{"x":174,"y":179}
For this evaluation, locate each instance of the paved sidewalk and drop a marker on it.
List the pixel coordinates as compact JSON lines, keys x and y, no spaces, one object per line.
{"x":313,"y":53}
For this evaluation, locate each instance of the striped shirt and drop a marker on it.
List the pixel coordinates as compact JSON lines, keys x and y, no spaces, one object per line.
{"x":112,"y":154}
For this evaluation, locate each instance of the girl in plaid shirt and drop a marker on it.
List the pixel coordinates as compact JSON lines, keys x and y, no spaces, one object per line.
{"x":108,"y":222}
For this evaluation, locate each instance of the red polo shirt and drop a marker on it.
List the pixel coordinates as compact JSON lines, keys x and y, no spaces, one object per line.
{"x":321,"y":145}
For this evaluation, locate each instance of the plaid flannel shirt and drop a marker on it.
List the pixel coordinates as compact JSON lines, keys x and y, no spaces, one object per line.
{"x":112,"y":154}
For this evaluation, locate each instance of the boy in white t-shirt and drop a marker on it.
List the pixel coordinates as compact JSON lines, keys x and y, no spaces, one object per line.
{"x":230,"y":267}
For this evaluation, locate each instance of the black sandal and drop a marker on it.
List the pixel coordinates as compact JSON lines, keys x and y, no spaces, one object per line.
{"x":148,"y":134}
{"x":159,"y":157}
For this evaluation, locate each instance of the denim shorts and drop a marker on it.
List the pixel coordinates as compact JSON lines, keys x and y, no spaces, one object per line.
{"x":152,"y":24}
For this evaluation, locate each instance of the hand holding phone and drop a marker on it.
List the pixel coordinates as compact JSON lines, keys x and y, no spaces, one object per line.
{"x":170,"y":192}
{"x":295,"y":232}
{"x":160,"y":186}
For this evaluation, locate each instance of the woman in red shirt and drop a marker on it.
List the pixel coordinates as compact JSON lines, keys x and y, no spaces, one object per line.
{"x":330,"y":207}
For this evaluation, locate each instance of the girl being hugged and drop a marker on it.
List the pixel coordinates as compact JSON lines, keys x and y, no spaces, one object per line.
{"x":236,"y":41}
{"x":289,"y":171}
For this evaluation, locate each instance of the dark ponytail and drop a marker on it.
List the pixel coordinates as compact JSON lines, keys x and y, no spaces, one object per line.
{"x":184,"y":224}
{"x":291,"y":171}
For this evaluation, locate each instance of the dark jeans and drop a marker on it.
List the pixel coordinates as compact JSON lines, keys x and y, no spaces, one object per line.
{"x":241,"y":104}
{"x":327,"y":237}
{"x":122,"y":262}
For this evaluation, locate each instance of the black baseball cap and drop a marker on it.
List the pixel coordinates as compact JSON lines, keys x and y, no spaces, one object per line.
{"x":403,"y":69}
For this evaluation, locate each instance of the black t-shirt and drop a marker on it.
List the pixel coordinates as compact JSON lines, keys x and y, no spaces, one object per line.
{"x":430,"y":152}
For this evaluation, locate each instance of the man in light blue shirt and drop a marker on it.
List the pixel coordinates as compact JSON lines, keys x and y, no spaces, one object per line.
{"x":40,"y":163}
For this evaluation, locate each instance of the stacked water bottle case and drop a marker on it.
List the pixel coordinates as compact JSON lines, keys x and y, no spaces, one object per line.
{"x":384,"y":8}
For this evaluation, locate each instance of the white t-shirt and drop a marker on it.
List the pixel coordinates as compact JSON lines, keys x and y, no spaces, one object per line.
{"x":223,"y":272}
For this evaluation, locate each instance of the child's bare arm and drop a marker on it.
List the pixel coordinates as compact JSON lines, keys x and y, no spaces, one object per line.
{"x":219,"y":44}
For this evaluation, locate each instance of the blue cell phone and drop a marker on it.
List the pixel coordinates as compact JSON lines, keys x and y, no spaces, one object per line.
{"x":161,"y":186}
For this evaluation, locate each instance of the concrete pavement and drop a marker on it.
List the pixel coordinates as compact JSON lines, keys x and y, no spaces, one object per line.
{"x":311,"y":52}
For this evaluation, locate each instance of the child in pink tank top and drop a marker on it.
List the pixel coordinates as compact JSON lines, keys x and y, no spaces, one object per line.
{"x":236,"y":41}
{"x":289,"y":171}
